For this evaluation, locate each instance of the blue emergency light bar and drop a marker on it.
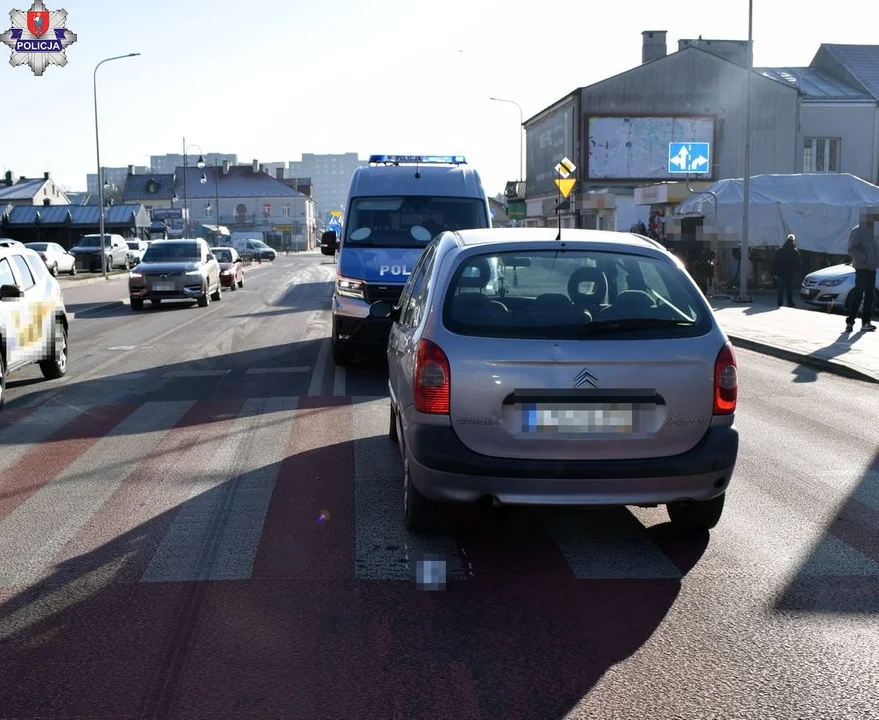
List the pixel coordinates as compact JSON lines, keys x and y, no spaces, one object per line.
{"x":419,"y":159}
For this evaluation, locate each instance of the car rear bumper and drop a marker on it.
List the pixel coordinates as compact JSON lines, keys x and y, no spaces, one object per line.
{"x":444,"y":469}
{"x":361,"y":331}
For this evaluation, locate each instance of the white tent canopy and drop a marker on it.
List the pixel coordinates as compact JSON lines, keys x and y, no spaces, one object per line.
{"x":820,"y":209}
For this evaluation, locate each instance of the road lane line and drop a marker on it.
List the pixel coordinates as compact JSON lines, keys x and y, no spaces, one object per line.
{"x":277,"y":370}
{"x":308,"y":532}
{"x":317,"y":378}
{"x":37,"y":531}
{"x":339,"y":382}
{"x":384,"y":549}
{"x":195,"y":373}
{"x":216,"y":534}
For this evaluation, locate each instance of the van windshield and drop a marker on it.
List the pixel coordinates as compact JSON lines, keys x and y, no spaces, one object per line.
{"x":388,"y":221}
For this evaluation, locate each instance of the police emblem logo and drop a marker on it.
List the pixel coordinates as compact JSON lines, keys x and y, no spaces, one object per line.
{"x":38,"y":37}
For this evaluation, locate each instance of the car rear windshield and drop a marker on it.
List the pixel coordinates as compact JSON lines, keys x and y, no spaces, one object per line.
{"x":172,"y":252}
{"x":545,"y":294}
{"x":223,"y":256}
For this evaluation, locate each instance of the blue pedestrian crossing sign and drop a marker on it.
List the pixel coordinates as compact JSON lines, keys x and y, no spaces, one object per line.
{"x":693,"y":157}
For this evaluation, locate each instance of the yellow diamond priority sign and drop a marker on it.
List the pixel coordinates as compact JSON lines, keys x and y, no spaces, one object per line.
{"x":565,"y":185}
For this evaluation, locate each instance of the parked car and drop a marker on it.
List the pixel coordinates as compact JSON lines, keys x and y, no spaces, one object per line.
{"x":33,"y":319}
{"x":175,"y":270}
{"x":88,"y":252}
{"x":57,"y":259}
{"x":231,"y":267}
{"x":594,"y":373}
{"x":831,"y":288}
{"x":9,"y":243}
{"x":136,"y":249}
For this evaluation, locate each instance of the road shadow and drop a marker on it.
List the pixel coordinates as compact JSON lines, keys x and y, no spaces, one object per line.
{"x":229,"y":632}
{"x":820,"y":586}
{"x":808,"y":372}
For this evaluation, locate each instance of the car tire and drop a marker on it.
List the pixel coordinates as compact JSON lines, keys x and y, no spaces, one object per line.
{"x":204,"y":299}
{"x":55,"y":367}
{"x":343,"y":353}
{"x":697,"y":516}
{"x":392,"y":425}
{"x":420,"y":513}
{"x":136,"y":304}
{"x":73,"y":269}
{"x":156,"y":301}
{"x":241,"y":282}
{"x":234,"y":286}
{"x":2,"y":380}
{"x":54,"y":270}
{"x":217,"y":295}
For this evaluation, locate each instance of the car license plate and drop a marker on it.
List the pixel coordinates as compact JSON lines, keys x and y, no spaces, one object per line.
{"x":578,"y":419}
{"x":163,"y":286}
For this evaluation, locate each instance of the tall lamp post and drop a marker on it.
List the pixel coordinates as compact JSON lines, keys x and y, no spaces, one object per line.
{"x":216,"y":191}
{"x":744,"y":264}
{"x":98,"y":151}
{"x":521,"y":123}
{"x":200,"y":165}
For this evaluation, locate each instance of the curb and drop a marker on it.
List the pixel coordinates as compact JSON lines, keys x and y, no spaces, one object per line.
{"x":96,"y":308}
{"x":813,"y":361}
{"x":68,"y":284}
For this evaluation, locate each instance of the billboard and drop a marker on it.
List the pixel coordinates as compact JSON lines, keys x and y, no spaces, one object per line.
{"x":636,"y":148}
{"x":546,"y":143}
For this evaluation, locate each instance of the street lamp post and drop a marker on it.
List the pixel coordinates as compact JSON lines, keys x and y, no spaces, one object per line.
{"x":521,"y":123}
{"x":98,"y":152}
{"x":200,"y":165}
{"x":744,"y":264}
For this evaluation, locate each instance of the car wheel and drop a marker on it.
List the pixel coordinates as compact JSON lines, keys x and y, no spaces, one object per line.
{"x":156,"y":301}
{"x":392,"y":425}
{"x":136,"y":304}
{"x":2,"y":380}
{"x":343,"y":353}
{"x":204,"y":299}
{"x":419,"y":512}
{"x":55,"y":270}
{"x":233,"y":286}
{"x":217,"y":295}
{"x":697,"y":515}
{"x":241,"y":282}
{"x":73,"y":269}
{"x":55,"y":366}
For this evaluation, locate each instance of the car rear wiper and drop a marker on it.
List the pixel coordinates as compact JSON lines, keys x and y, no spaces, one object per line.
{"x":622,"y":324}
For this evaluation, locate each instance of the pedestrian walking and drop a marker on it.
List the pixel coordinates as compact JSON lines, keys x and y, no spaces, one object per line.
{"x":864,"y":250}
{"x":785,"y":266}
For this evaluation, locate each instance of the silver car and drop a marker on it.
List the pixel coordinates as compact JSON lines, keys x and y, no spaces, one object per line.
{"x":175,"y":270}
{"x":585,"y":371}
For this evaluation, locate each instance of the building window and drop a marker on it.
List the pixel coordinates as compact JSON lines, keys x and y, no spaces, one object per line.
{"x":267,"y":210}
{"x":208,"y":210}
{"x":285,"y":210}
{"x":821,"y":155}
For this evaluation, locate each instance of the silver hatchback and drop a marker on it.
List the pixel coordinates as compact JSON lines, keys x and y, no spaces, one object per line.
{"x":583,"y":371}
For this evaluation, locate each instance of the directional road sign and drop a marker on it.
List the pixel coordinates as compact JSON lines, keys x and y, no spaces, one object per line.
{"x":565,"y":185}
{"x":692,"y":157}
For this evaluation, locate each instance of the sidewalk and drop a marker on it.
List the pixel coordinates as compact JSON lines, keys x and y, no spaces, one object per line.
{"x":812,"y":338}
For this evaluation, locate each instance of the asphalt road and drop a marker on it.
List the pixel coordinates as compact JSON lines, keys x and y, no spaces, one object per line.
{"x":203,"y":520}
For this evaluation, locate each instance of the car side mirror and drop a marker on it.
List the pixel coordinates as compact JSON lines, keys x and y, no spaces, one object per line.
{"x":383,"y":310}
{"x":10,"y":292}
{"x":211,"y":257}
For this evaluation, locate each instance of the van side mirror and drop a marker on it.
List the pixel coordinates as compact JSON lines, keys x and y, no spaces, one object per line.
{"x":329,"y":243}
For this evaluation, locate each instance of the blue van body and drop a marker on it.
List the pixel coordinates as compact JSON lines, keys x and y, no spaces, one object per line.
{"x":390,"y":202}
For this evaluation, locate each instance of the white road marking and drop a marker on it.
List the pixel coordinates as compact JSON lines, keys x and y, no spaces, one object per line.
{"x":339,"y":382}
{"x":195,"y":373}
{"x":277,"y":370}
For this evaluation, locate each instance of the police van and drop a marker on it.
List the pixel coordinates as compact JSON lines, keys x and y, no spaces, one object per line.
{"x":396,"y":205}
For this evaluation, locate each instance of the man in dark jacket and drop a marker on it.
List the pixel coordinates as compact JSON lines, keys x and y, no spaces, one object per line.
{"x":864,"y":250}
{"x":785,"y":266}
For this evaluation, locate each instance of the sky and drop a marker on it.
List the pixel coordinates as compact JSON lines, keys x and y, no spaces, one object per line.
{"x":271,"y":81}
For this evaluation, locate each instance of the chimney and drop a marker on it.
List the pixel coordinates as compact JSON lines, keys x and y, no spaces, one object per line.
{"x":256,"y":166}
{"x":262,"y":168}
{"x":8,"y":178}
{"x":46,"y":175}
{"x":279,"y":173}
{"x":653,"y":45}
{"x":131,"y":169}
{"x":226,"y":165}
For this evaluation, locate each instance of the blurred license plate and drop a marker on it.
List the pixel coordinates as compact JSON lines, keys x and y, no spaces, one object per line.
{"x":603,"y":418}
{"x":160,"y":286}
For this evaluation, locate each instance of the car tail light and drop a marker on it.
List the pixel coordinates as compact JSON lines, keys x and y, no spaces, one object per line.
{"x":43,"y":257}
{"x":726,"y":381}
{"x":432,"y":379}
